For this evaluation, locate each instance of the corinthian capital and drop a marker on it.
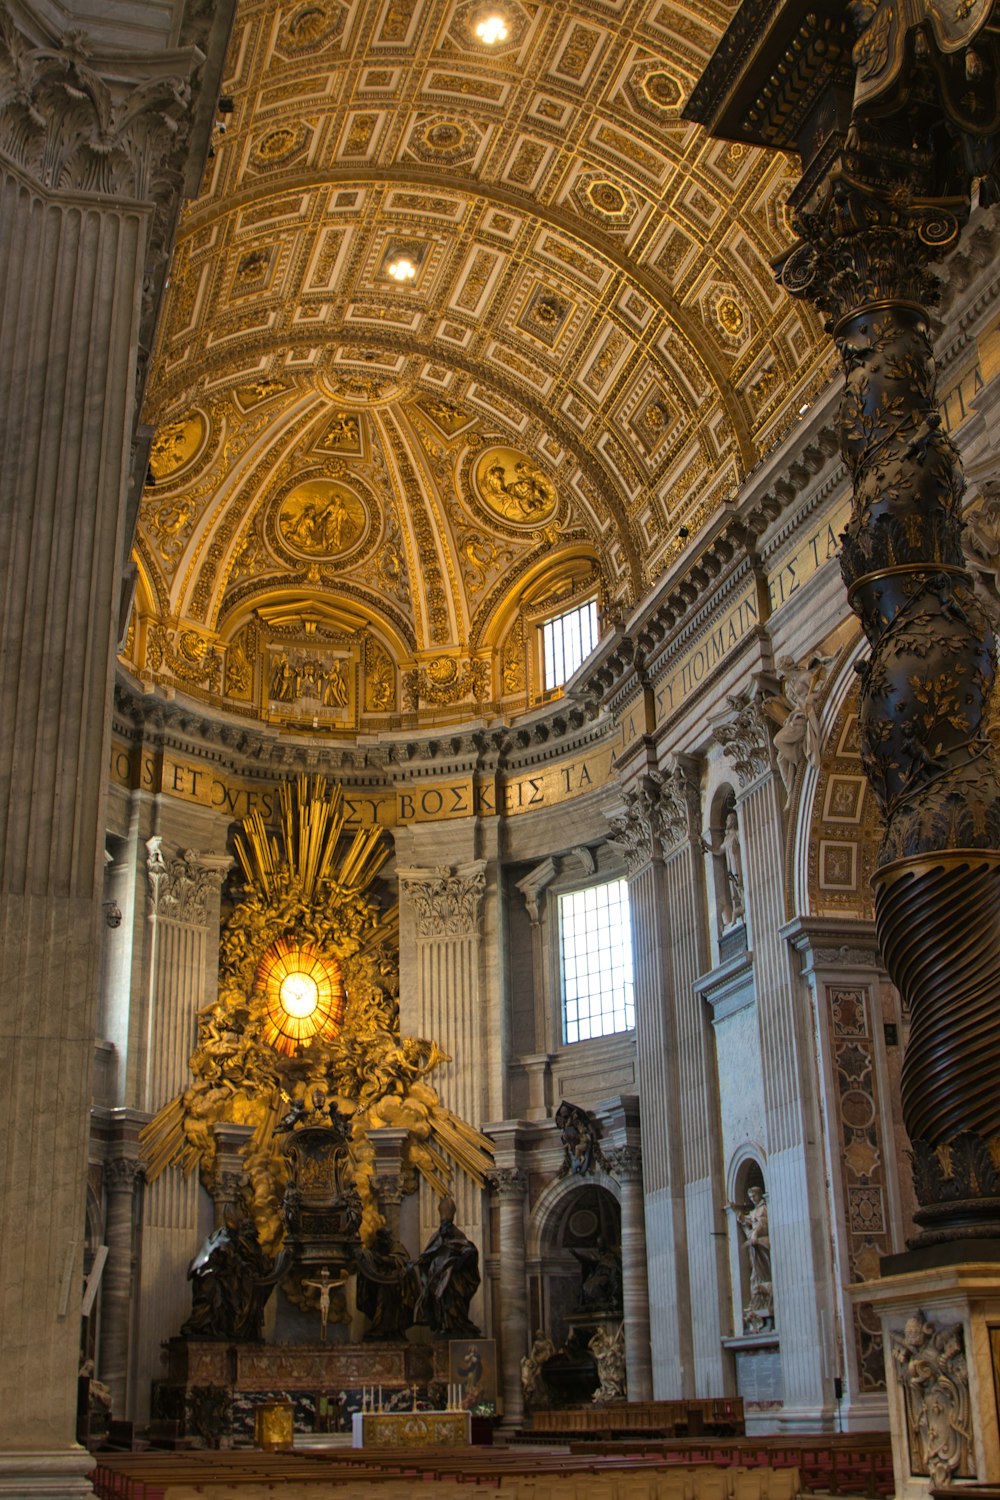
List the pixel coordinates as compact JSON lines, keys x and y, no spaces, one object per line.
{"x":447,"y":898}
{"x":70,"y":128}
{"x":508,"y":1182}
{"x":678,"y":807}
{"x":180,"y":887}
{"x":745,"y":737}
{"x":633,"y":831}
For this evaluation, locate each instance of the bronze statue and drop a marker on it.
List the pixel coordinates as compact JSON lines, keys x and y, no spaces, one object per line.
{"x":387,"y":1287}
{"x":448,"y":1267}
{"x":231,"y":1280}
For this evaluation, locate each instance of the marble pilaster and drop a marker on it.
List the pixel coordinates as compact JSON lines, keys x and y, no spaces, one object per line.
{"x":446,"y":1003}
{"x":871,"y":1203}
{"x":84,"y":159}
{"x":183,"y":919}
{"x":794,"y":1169}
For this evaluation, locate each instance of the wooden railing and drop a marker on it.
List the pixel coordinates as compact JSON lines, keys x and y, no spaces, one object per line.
{"x":717,"y":1415}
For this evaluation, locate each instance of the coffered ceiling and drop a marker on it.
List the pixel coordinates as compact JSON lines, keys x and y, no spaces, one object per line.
{"x":376,"y":489}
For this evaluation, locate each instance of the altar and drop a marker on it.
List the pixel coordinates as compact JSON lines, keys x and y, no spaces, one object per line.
{"x":411,"y":1429}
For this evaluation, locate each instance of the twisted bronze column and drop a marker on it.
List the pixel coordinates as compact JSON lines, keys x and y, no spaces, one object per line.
{"x":865,"y":261}
{"x":895,"y":111}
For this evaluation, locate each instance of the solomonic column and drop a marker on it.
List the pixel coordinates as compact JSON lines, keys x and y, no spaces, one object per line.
{"x":895,"y":110}
{"x":912,"y":110}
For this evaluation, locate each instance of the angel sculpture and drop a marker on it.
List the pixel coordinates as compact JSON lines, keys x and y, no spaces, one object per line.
{"x":798,"y":739}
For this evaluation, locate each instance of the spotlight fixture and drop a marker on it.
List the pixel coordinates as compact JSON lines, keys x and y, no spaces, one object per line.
{"x":492,"y":29}
{"x":401,"y":269}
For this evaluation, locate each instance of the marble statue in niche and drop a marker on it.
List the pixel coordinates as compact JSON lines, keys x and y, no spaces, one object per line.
{"x":752,"y":1219}
{"x":730,"y":852}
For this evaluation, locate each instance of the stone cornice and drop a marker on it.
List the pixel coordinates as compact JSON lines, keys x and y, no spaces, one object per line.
{"x":562,"y":729}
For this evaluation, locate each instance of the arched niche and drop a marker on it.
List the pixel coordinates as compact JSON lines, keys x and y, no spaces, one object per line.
{"x":553,"y":1232}
{"x":746,"y":1186}
{"x":574,"y":1252}
{"x":723,"y":873}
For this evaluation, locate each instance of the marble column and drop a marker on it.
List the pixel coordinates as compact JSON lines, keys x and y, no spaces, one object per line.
{"x":88,"y":148}
{"x":625,"y":1163}
{"x":510,"y":1184}
{"x":121,"y":1175}
{"x":391,"y":1183}
{"x":227,"y":1178}
{"x":795,"y":1170}
{"x":446,"y":1002}
{"x":183,"y":916}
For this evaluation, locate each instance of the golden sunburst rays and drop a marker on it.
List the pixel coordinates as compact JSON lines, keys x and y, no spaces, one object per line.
{"x":311,"y":817}
{"x":303,"y":993}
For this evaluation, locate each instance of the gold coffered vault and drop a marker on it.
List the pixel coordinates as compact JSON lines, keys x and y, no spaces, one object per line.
{"x":365,"y":489}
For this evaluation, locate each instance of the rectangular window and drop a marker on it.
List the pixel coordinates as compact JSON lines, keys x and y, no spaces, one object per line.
{"x":567,"y":641}
{"x":595,"y":938}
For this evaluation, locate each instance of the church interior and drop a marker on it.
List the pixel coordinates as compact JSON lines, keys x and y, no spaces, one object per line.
{"x":499,"y":797}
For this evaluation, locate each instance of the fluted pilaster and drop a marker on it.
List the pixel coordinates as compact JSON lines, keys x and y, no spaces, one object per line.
{"x":446,"y":905}
{"x":794,"y":1169}
{"x":83,"y":160}
{"x":183,"y":915}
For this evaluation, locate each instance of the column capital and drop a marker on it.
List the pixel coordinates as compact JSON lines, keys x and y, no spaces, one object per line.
{"x":624,"y":1162}
{"x":662,"y":809}
{"x":446,"y":898}
{"x":121,"y":1173}
{"x":72,"y":128}
{"x":509,"y":1183}
{"x":180,"y":886}
{"x":745,"y":735}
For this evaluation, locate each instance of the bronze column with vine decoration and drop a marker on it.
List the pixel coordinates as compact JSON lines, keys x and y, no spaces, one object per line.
{"x":893,"y":115}
{"x":924,"y":690}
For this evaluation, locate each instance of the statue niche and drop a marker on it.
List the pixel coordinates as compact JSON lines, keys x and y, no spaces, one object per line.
{"x":582,"y":1295}
{"x":751,"y":1217}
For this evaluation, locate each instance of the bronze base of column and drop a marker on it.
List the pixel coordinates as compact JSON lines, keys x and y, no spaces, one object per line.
{"x":937,"y":917}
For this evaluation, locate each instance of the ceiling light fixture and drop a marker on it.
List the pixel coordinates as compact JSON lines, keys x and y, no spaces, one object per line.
{"x":492,"y":29}
{"x":401,"y":269}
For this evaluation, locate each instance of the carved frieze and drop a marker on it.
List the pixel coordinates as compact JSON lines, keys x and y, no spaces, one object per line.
{"x":446,"y":900}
